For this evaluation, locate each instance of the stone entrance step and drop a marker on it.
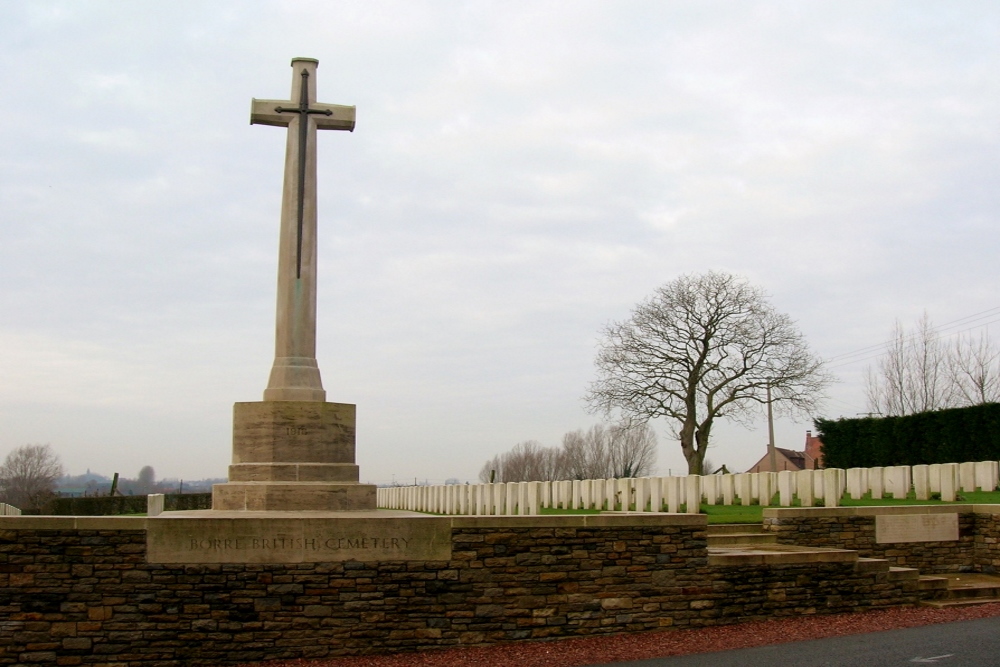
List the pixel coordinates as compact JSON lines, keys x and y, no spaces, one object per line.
{"x":959,"y":590}
{"x":736,"y":534}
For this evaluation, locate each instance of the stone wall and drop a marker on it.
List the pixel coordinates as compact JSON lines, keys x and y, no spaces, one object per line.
{"x":81,"y":592}
{"x":855,"y":528}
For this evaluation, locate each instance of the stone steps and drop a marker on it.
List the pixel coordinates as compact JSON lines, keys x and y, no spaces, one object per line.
{"x":739,"y":534}
{"x":959,"y":590}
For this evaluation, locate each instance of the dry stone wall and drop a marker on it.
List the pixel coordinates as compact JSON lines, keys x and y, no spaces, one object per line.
{"x":88,"y":596}
{"x":855,"y":528}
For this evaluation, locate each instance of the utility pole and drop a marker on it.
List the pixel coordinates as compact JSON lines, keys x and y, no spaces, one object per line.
{"x":770,"y":432}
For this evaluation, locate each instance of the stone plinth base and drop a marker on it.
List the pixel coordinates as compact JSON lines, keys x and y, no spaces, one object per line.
{"x":293,"y":496}
{"x":293,"y":456}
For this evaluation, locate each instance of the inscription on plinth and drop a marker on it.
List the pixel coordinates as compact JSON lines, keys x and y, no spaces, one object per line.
{"x":890,"y":528}
{"x":297,"y":540}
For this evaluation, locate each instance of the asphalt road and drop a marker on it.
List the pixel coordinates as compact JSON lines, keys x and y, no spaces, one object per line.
{"x":963,"y":644}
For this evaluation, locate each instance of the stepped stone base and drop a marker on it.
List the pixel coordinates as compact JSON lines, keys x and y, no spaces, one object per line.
{"x":293,"y":456}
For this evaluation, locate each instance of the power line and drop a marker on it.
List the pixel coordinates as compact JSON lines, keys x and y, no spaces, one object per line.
{"x":875,"y":351}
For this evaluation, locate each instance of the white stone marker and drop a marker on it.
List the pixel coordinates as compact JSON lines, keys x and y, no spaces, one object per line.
{"x":598,"y":493}
{"x":876,"y":482}
{"x":692,"y":494}
{"x":765,"y":487}
{"x":672,"y":493}
{"x":895,"y":481}
{"x":949,"y":481}
{"x":641,"y":493}
{"x":987,"y":475}
{"x":934,"y":474}
{"x":819,"y":485}
{"x":804,"y":487}
{"x":656,"y":493}
{"x":786,"y":483}
{"x":534,"y":493}
{"x":831,"y":486}
{"x":743,"y":488}
{"x":710,"y":489}
{"x":967,"y":476}
{"x":921,"y":482}
{"x":855,"y":483}
{"x":154,"y":504}
{"x":611,"y":493}
{"x":625,"y":493}
{"x":727,"y":489}
{"x":586,"y":494}
{"x":574,"y":501}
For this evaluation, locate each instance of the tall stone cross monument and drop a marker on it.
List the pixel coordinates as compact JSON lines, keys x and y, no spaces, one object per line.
{"x":293,"y":450}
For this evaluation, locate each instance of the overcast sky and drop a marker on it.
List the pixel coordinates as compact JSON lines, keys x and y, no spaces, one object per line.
{"x":521,"y":174}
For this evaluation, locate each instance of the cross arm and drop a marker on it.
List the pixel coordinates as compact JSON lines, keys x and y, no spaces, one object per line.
{"x":262,"y":112}
{"x":340,"y":117}
{"x":327,"y":116}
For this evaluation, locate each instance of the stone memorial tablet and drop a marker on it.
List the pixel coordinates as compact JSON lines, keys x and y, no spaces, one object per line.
{"x":891,"y":528}
{"x":297,"y":539}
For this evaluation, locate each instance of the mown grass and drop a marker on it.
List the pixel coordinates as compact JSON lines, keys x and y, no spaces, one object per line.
{"x":755,"y":513}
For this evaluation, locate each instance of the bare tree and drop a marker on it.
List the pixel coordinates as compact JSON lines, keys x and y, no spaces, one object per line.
{"x":974,"y":369}
{"x":526,"y":462}
{"x":621,"y":450}
{"x":700,"y":348}
{"x":632,"y":451}
{"x":916,"y":373}
{"x":28,"y":476}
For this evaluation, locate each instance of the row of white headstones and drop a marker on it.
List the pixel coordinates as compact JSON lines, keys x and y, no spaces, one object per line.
{"x":9,"y":510}
{"x":674,"y":494}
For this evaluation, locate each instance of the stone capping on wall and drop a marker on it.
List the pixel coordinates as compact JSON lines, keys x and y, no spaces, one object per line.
{"x":605,"y":520}
{"x":819,"y":512}
{"x":51,"y":522}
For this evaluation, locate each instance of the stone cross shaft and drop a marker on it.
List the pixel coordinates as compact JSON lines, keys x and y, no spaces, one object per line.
{"x":295,"y":373}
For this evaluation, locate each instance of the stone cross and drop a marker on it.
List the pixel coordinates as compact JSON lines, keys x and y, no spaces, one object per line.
{"x":295,"y":373}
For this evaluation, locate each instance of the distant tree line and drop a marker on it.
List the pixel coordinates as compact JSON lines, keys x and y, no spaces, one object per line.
{"x":28,"y":476}
{"x":601,"y":452}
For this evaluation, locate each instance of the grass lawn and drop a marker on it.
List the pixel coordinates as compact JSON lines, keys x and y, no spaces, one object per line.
{"x":755,"y":513}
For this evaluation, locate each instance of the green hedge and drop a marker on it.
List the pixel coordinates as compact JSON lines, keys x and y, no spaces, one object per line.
{"x":944,"y":436}
{"x":107,"y":505}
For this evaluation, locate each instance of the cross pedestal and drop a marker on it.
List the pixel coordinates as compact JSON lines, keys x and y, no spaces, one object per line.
{"x":293,"y":455}
{"x":293,"y":450}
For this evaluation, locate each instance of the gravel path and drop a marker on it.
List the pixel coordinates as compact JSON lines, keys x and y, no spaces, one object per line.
{"x":640,"y":646}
